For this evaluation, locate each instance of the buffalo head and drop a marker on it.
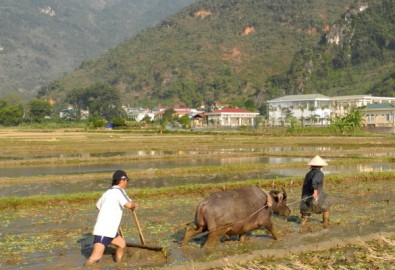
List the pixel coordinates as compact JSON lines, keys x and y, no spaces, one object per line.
{"x":280,"y":206}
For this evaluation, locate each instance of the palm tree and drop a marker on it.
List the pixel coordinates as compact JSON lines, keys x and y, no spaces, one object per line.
{"x":313,"y":117}
{"x":302,"y":108}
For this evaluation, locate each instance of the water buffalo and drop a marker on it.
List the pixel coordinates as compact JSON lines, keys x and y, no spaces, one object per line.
{"x":236,"y":212}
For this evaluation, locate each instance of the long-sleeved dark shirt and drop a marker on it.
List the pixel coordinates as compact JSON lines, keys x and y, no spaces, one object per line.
{"x":314,"y":180}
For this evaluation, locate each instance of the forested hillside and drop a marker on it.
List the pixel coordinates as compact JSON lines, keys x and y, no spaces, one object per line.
{"x":42,"y":39}
{"x":357,"y":56}
{"x":222,"y":51}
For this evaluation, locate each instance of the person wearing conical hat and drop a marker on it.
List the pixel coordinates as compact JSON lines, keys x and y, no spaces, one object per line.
{"x":313,"y":195}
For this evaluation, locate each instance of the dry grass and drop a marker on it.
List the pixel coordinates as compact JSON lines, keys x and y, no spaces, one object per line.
{"x":376,"y":254}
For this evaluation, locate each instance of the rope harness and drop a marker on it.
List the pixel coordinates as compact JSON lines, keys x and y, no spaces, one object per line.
{"x":300,"y":200}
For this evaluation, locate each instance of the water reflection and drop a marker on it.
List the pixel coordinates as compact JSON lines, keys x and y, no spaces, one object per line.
{"x":88,"y":186}
{"x":161,"y":153}
{"x":341,"y":169}
{"x":143,"y":165}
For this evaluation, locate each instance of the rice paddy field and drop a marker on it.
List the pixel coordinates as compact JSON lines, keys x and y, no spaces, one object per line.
{"x":51,"y":179}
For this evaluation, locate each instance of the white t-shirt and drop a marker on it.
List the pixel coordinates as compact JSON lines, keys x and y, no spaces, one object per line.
{"x":110,"y":205}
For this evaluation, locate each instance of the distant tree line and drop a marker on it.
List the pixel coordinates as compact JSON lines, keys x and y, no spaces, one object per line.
{"x":102,"y":101}
{"x":15,"y":113}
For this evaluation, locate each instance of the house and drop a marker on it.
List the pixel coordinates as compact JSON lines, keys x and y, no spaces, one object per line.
{"x":178,"y":111}
{"x":182,"y":110}
{"x":199,"y":120}
{"x":232,"y":117}
{"x":71,"y":113}
{"x":139,"y":113}
{"x":341,"y":105}
{"x":379,"y":115}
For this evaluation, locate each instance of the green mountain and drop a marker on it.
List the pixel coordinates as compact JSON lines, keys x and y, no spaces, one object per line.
{"x":226,"y":51}
{"x":357,"y":56}
{"x":40,"y":40}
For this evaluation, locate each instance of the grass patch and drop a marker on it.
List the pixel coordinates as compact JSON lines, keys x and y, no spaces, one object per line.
{"x":196,"y":189}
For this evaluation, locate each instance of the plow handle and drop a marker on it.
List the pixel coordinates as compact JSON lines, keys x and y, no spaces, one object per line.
{"x":136,"y":221}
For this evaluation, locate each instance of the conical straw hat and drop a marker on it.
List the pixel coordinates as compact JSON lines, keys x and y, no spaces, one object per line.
{"x":317,"y":161}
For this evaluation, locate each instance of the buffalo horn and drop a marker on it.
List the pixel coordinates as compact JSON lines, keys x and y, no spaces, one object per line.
{"x":284,"y":192}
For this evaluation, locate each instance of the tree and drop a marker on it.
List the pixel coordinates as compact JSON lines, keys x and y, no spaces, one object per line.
{"x":11,"y":115}
{"x":38,"y":109}
{"x":351,"y":122}
{"x":96,"y":122}
{"x":100,"y":99}
{"x":14,"y":98}
{"x":302,"y":108}
{"x":167,"y":116}
{"x":104,"y":101}
{"x":249,"y":104}
{"x":185,"y":121}
{"x":146,"y":119}
{"x":118,"y":122}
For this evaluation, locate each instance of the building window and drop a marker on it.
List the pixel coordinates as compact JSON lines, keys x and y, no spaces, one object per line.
{"x":371,"y":118}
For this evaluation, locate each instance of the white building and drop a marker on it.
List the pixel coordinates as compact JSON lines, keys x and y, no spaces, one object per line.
{"x":316,"y":109}
{"x":139,"y":113}
{"x":341,"y":105}
{"x":232,"y":117}
{"x":379,"y":115}
{"x":311,"y":109}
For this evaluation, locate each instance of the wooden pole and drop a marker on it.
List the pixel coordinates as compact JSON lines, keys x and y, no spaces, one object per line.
{"x":120,"y":232}
{"x":138,"y":227}
{"x":128,"y":244}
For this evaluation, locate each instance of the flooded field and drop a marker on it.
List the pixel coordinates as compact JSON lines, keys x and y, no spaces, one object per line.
{"x":57,"y":233}
{"x":53,"y":237}
{"x":75,"y":186}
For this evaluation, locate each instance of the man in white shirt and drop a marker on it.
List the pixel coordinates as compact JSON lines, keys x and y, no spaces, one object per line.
{"x":111,"y":205}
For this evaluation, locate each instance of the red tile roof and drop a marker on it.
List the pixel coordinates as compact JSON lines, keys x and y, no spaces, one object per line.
{"x":200,"y":115}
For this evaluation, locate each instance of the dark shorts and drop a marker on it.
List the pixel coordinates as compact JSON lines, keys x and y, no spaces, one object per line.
{"x":103,"y":239}
{"x":309,"y":206}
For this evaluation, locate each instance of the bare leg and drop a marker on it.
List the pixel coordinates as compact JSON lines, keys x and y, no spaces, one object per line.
{"x":303,"y":220}
{"x":120,"y":243}
{"x":97,"y":253}
{"x":325,"y":219}
{"x":242,"y":237}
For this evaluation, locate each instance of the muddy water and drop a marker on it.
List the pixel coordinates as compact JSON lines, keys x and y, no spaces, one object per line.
{"x":164,"y":153}
{"x":22,"y":190}
{"x":58,"y":237}
{"x":188,"y":161}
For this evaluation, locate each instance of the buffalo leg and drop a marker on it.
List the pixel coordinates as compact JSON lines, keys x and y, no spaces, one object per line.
{"x":214,"y":236}
{"x":242,"y":237}
{"x":269,"y":226}
{"x":190,"y":232}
